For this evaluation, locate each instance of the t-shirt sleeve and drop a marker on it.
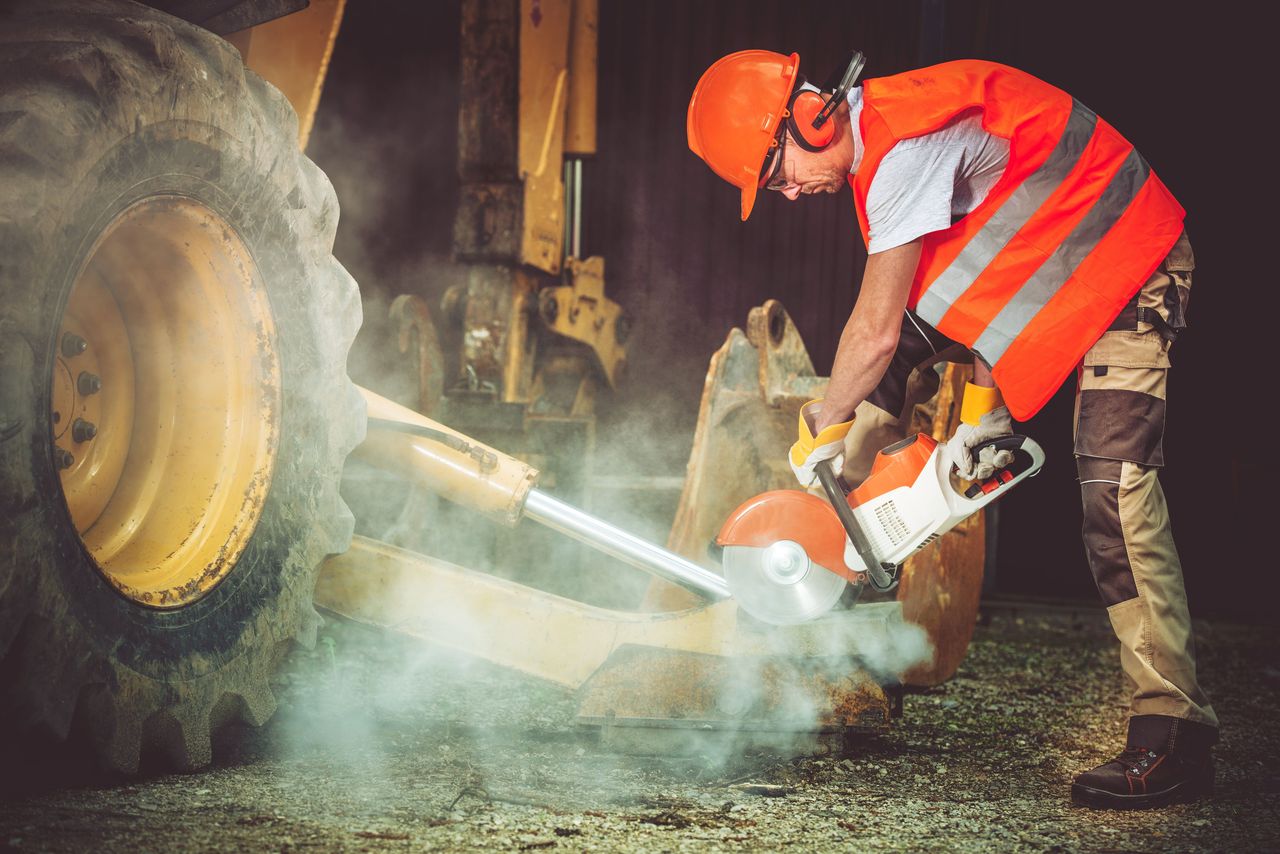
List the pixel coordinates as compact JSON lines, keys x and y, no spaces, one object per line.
{"x":910,"y":195}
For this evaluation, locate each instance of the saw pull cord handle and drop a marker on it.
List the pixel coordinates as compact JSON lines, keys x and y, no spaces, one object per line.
{"x":878,"y":575}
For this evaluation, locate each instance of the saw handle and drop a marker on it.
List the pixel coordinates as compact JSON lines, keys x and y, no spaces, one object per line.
{"x":1027,"y":461}
{"x":878,"y":575}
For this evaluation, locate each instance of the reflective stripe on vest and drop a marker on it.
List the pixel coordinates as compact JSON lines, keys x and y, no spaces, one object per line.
{"x":1035,"y":273}
{"x":980,"y":251}
{"x":1036,"y":292}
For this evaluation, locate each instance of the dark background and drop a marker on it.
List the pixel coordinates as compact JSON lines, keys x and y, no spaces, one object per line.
{"x":1184,"y":82}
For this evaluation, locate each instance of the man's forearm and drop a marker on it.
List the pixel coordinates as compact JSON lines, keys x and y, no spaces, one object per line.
{"x":871,"y":334}
{"x":861,"y":361}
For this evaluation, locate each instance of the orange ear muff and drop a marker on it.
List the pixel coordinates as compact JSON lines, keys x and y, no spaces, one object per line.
{"x":804,"y":108}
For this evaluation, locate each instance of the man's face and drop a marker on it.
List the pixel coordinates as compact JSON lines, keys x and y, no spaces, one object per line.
{"x":803,"y":173}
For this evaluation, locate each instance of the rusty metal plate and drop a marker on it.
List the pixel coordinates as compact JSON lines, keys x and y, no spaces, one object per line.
{"x":646,"y":698}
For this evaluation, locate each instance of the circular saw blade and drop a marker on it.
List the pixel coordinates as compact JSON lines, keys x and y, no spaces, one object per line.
{"x":779,"y":584}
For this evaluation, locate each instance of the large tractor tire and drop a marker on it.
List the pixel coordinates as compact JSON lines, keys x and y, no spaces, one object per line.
{"x":174,"y":404}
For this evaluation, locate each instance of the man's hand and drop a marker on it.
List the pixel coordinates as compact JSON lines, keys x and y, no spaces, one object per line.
{"x":814,"y":447}
{"x":968,"y":436}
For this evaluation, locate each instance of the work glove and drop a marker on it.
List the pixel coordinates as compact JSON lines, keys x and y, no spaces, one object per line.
{"x":809,"y":450}
{"x":983,"y":417}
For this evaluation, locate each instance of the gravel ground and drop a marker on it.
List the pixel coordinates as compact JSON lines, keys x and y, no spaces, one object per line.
{"x":382,"y":745}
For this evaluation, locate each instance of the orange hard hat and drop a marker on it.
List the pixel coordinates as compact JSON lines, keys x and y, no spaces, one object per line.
{"x":735,"y":112}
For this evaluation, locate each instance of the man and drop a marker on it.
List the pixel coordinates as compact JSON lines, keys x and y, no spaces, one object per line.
{"x":1006,"y":224}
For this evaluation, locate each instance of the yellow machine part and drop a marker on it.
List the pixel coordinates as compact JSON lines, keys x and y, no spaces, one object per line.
{"x":544,"y":96}
{"x":165,"y":404}
{"x":580,"y":125}
{"x":465,"y":472}
{"x":292,"y":53}
{"x":581,"y":311}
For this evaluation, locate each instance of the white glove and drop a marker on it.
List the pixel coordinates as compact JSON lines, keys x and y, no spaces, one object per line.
{"x":960,"y":447}
{"x":810,"y":451}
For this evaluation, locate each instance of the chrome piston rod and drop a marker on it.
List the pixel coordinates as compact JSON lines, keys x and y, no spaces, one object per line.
{"x":628,"y":548}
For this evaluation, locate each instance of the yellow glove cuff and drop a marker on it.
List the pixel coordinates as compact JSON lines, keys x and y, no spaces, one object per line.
{"x":807,"y":441}
{"x":978,"y":401}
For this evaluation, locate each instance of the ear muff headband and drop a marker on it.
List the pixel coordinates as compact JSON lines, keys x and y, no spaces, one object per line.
{"x":808,"y":114}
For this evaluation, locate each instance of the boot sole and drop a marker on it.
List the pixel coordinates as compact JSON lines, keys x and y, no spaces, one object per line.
{"x":1184,"y":792}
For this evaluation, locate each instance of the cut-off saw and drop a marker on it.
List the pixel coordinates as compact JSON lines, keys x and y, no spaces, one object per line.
{"x":790,"y":556}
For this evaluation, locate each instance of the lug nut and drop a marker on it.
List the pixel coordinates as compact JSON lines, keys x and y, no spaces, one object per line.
{"x":83,"y":431}
{"x":73,"y":345}
{"x":88,"y":383}
{"x":63,"y":458}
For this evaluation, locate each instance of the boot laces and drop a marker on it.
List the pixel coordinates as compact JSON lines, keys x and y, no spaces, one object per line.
{"x":1136,"y":759}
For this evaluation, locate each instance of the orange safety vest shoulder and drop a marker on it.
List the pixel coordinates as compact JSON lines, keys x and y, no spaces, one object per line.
{"x":1074,"y":227}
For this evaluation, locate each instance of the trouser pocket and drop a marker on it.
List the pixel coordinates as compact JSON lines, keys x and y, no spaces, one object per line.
{"x":1177,"y":294}
{"x":1120,"y":404}
{"x":1160,"y":306}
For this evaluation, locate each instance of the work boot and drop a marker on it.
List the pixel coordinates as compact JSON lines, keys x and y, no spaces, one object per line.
{"x":1167,"y":760}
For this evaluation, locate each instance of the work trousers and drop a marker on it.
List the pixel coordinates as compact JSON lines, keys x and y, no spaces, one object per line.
{"x":1119,"y":428}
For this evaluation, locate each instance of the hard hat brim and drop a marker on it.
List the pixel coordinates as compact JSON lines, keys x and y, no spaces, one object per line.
{"x":748,"y":200}
{"x":749,"y":191}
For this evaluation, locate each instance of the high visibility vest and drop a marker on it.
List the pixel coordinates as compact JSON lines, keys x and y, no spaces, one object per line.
{"x":1074,"y":227}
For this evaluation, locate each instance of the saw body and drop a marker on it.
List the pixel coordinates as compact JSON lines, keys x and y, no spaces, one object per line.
{"x":788,"y":555}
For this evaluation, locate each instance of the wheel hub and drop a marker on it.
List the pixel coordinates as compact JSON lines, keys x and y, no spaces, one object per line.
{"x":165,"y":400}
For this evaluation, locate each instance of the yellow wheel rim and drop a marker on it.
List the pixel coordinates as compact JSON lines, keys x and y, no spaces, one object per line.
{"x":166,"y":401}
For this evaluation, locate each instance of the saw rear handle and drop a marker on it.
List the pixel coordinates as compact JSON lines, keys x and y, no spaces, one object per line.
{"x":1025,"y":452}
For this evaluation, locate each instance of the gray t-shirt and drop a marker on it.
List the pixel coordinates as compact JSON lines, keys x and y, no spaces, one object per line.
{"x":925,"y":183}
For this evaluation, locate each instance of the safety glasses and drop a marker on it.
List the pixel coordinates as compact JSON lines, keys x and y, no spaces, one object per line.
{"x":771,"y":173}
